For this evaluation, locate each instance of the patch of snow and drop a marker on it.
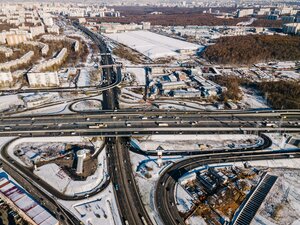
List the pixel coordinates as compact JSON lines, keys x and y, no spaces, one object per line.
{"x":139,"y":74}
{"x":84,"y":78}
{"x":183,"y":199}
{"x":195,"y":220}
{"x":10,"y":101}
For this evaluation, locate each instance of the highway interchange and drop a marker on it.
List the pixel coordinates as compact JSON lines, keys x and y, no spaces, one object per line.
{"x":118,"y":125}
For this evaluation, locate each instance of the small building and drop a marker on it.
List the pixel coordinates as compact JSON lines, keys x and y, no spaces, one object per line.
{"x":58,"y":59}
{"x":273,"y":17}
{"x":7,"y":51}
{"x":45,"y":49}
{"x":146,"y":25}
{"x":81,"y":155}
{"x":245,"y":12}
{"x":172,"y":85}
{"x":14,"y":63}
{"x":76,"y":45}
{"x":53,"y":29}
{"x":187,"y":178}
{"x":219,"y":176}
{"x":288,"y":19}
{"x":208,"y":184}
{"x":186,"y":94}
{"x":35,"y":31}
{"x":263,"y":11}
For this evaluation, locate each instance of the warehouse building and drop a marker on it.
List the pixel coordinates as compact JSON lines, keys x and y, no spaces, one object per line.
{"x":27,"y":208}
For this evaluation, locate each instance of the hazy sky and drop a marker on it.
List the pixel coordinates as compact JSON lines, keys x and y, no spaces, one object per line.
{"x":153,"y":1}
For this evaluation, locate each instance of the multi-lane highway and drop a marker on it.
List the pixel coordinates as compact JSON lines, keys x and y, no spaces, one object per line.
{"x":113,"y":123}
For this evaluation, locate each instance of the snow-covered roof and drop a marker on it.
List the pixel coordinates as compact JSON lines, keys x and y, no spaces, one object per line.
{"x":151,"y":44}
{"x":26,"y":203}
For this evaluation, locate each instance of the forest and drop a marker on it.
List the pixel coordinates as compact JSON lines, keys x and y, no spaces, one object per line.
{"x":175,"y":16}
{"x":247,"y":50}
{"x":281,"y":94}
{"x":232,"y":84}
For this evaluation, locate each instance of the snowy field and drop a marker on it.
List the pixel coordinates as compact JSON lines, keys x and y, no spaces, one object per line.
{"x":252,"y":100}
{"x":282,"y":205}
{"x":9,"y":102}
{"x":99,"y":209}
{"x":151,"y":44}
{"x":196,"y":142}
{"x":89,"y":105}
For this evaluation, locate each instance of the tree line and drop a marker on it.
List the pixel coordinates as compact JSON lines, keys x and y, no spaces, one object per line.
{"x":251,"y":49}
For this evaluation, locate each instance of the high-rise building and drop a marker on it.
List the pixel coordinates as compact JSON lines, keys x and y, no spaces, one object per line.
{"x":81,"y":154}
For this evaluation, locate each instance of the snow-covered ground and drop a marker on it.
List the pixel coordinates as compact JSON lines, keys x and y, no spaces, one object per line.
{"x":195,"y":142}
{"x":176,"y":106}
{"x":183,"y":199}
{"x":252,"y":100}
{"x":130,"y":97}
{"x":139,"y":74}
{"x":151,"y":44}
{"x":4,"y":140}
{"x":84,"y":78}
{"x":8,"y":102}
{"x":87,"y":105}
{"x":58,"y":179}
{"x":282,"y":205}
{"x":195,"y":220}
{"x":60,"y":108}
{"x":99,"y":209}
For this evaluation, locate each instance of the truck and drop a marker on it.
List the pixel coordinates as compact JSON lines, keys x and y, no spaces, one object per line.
{"x":162,"y":124}
{"x":268,"y":124}
{"x":97,"y":126}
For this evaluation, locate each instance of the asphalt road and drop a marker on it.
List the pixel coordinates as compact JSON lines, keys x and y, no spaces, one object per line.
{"x":143,"y":123}
{"x":129,"y":203}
